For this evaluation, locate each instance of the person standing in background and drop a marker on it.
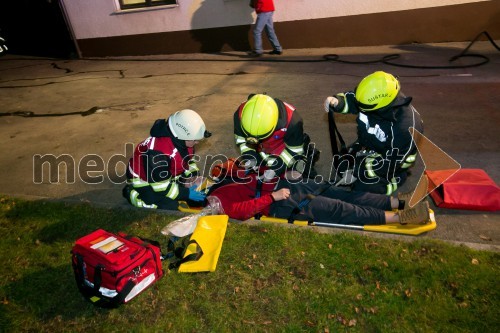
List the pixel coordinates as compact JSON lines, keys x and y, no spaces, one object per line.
{"x":265,"y":11}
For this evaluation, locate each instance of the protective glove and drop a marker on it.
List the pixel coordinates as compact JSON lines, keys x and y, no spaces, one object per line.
{"x":196,"y":195}
{"x":250,"y":160}
{"x":347,"y":178}
{"x":330,"y":102}
{"x":249,"y":164}
{"x":268,"y":176}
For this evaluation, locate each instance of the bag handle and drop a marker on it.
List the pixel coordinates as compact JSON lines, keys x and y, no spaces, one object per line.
{"x":79,"y":270}
{"x":176,"y":253}
{"x":143,"y":240}
{"x":92,"y":293}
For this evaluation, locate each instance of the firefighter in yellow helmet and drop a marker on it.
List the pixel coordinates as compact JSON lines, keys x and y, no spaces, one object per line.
{"x":269,"y":134}
{"x":384,"y":150}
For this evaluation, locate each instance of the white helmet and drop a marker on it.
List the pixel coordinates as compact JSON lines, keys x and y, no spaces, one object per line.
{"x":187,"y":125}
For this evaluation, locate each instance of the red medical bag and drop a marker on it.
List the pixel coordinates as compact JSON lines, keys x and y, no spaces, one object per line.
{"x":111,"y":269}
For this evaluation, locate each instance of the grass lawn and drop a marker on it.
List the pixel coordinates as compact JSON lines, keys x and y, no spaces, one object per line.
{"x":268,"y":279}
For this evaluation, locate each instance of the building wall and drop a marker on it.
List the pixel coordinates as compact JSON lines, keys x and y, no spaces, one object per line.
{"x":221,"y":25}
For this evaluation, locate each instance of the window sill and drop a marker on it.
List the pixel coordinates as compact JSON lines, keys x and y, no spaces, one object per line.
{"x":143,"y":9}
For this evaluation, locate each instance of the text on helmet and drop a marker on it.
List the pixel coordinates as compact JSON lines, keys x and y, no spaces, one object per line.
{"x":183,"y":128}
{"x":375,"y":97}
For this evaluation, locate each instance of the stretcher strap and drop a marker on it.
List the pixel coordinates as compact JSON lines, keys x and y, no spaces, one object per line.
{"x":258,"y":193}
{"x":340,"y":156}
{"x":304,"y":202}
{"x":334,"y":135}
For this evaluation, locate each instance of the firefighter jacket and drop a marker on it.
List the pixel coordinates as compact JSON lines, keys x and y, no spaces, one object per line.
{"x":285,"y":145}
{"x":384,"y":135}
{"x":162,"y":161}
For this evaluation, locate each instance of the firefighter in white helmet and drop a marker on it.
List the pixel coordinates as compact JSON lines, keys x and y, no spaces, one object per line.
{"x":162,"y":170}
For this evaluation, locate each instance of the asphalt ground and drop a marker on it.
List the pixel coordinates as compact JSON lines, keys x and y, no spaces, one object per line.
{"x":91,"y":112}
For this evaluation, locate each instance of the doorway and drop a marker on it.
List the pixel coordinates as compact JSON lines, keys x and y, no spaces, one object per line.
{"x":36,"y":28}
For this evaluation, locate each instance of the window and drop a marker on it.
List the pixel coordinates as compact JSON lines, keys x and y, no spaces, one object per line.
{"x":131,"y":4}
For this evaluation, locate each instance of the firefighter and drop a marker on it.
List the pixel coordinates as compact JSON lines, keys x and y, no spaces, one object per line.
{"x":270,"y":134}
{"x":385,"y":149}
{"x":162,"y":170}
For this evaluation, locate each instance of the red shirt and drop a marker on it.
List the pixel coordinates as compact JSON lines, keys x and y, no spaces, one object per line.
{"x":263,"y":6}
{"x":239,"y":202}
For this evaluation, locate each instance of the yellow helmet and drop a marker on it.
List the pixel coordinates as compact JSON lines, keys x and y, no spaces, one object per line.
{"x":376,"y":91}
{"x":259,"y":117}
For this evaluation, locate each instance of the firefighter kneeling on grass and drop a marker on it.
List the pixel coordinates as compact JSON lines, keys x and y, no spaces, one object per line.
{"x":384,"y":150}
{"x":162,"y":169}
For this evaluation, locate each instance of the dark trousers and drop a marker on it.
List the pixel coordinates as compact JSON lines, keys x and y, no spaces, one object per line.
{"x":334,"y":205}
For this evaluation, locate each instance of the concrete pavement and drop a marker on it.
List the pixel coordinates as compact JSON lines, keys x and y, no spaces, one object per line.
{"x":90,"y":113}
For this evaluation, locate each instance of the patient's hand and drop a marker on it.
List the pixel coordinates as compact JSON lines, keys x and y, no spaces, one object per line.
{"x":281,"y":194}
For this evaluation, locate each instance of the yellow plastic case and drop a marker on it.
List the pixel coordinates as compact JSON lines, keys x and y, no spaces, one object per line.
{"x":209,"y":234}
